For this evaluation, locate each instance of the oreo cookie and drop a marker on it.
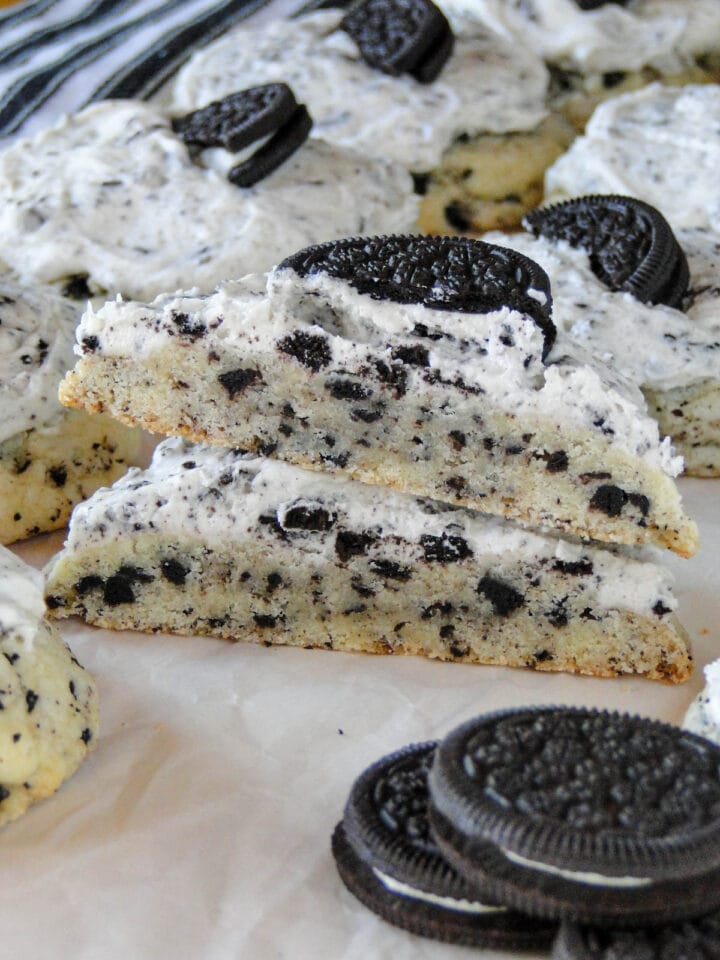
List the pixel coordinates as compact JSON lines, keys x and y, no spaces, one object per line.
{"x":441,"y":273}
{"x":630,"y":244}
{"x":241,"y":119}
{"x":401,"y":36}
{"x":387,"y":858}
{"x":697,"y":939}
{"x":594,"y":4}
{"x":581,"y":814}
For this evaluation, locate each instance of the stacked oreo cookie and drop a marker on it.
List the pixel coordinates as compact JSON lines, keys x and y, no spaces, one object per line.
{"x":525,"y":819}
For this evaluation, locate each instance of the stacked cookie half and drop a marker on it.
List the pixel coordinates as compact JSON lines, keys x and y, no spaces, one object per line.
{"x":447,"y":475}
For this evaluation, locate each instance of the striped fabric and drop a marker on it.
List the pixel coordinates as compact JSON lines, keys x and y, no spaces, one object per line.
{"x":59,"y":55}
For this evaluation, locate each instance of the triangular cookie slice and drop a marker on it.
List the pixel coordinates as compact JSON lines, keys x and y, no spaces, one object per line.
{"x":211,"y":541}
{"x":421,"y":363}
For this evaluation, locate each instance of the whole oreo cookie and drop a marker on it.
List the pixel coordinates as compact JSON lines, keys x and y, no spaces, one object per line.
{"x":388,"y":860}
{"x":630,"y":244}
{"x":243,"y":118}
{"x":697,"y":939}
{"x":582,"y":814}
{"x":442,"y":273}
{"x":401,"y":36}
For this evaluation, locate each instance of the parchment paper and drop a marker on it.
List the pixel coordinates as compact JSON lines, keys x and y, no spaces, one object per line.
{"x":200,"y":827}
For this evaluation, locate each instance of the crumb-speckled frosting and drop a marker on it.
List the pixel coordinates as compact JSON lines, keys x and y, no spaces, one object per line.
{"x":666,"y":34}
{"x":112,"y":192}
{"x":37,"y":333}
{"x":659,"y":144}
{"x":498,"y":352}
{"x":654,"y":346}
{"x":214,"y":496}
{"x":487,"y":85}
{"x":703,"y":716}
{"x":22,"y":606}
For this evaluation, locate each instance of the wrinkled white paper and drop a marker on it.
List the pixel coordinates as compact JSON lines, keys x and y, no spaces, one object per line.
{"x":200,"y":827}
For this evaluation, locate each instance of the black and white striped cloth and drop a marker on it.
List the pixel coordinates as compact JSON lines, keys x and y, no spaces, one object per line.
{"x":59,"y":55}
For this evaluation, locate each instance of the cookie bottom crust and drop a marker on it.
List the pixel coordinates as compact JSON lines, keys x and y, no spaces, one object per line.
{"x":260,"y":593}
{"x":691,"y":416}
{"x":51,"y":702}
{"x":44,"y":473}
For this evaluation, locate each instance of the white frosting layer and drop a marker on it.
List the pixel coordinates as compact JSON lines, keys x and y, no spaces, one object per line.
{"x":660,"y":144}
{"x":499,"y":352}
{"x":703,"y":716}
{"x":37,"y":332}
{"x":666,"y":34}
{"x":577,"y":876}
{"x":488,"y":84}
{"x":654,"y":346}
{"x":448,"y":903}
{"x":211,"y":495}
{"x":22,"y":606}
{"x":112,"y":192}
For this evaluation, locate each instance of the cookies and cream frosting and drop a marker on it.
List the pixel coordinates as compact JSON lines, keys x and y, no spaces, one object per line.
{"x":666,"y":34}
{"x":113,"y":193}
{"x":37,"y":333}
{"x":487,"y":85}
{"x":658,"y":144}
{"x":652,"y":345}
{"x":22,"y":606}
{"x":703,"y":715}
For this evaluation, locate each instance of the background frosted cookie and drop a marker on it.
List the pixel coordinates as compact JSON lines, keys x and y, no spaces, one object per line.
{"x":207,"y":541}
{"x":598,"y":49}
{"x":115,"y":195}
{"x":49,"y":713}
{"x":670,"y":351}
{"x":660,"y":145}
{"x":477,"y":137}
{"x":413,"y":362}
{"x":50,"y":457}
{"x":703,"y":715}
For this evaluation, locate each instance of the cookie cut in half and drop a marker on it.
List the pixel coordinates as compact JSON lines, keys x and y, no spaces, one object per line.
{"x":419,"y":363}
{"x":48,"y":702}
{"x":50,"y":457}
{"x":582,"y":814}
{"x":208,"y":541}
{"x":387,"y":858}
{"x":697,"y":939}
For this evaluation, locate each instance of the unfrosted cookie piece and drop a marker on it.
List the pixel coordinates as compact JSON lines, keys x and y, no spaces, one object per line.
{"x":703,"y":715}
{"x":431,"y":381}
{"x":48,"y":703}
{"x":597,"y":50}
{"x":477,"y":137}
{"x":49,"y":457}
{"x":673,"y":355}
{"x":114,"y":195}
{"x":208,"y":541}
{"x":660,"y":145}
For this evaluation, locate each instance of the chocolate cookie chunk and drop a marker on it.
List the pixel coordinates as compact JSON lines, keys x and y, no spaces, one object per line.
{"x":630,"y":244}
{"x":582,"y":814}
{"x":443,"y":273}
{"x":697,"y":939}
{"x":387,"y":858}
{"x":242,"y":119}
{"x":401,"y":36}
{"x":594,"y":4}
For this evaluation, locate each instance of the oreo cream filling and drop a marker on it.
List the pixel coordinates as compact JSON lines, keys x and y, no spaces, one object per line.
{"x":449,"y":903}
{"x":576,"y":876}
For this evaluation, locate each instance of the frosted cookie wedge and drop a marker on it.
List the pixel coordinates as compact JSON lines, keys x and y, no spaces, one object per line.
{"x":210,"y":541}
{"x":49,"y":711}
{"x":607,"y":272}
{"x":474,"y":130}
{"x":412,"y":362}
{"x":659,"y":145}
{"x":114,"y":200}
{"x":50,"y":457}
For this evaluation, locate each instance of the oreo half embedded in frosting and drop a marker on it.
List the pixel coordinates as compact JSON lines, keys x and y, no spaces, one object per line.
{"x":243,"y":118}
{"x":630,"y":244}
{"x":441,"y":273}
{"x":387,"y":859}
{"x":582,"y":814}
{"x":401,"y":36}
